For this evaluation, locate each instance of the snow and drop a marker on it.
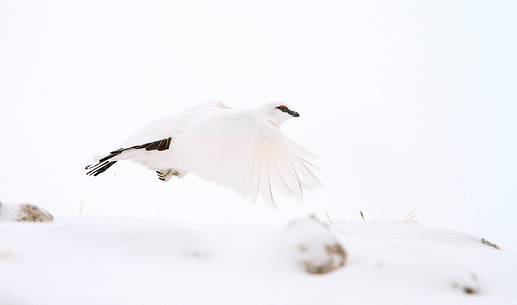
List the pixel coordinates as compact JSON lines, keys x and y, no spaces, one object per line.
{"x":106,"y":261}
{"x":9,"y":212}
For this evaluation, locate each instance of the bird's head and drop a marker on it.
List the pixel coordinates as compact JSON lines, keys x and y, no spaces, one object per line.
{"x":278,"y":113}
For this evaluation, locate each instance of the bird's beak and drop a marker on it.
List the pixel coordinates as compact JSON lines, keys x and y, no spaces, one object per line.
{"x":295,"y":114}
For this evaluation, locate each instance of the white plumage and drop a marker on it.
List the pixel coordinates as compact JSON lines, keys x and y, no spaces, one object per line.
{"x":242,"y":150}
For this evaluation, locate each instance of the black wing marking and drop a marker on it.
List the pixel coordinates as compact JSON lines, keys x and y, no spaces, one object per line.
{"x":104,"y":164}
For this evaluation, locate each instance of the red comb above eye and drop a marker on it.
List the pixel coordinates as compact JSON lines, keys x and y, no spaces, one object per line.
{"x":283,"y":107}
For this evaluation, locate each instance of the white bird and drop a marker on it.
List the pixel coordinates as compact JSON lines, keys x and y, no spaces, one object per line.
{"x":243,"y":150}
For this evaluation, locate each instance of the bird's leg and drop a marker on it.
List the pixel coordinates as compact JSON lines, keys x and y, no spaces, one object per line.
{"x":178,"y":173}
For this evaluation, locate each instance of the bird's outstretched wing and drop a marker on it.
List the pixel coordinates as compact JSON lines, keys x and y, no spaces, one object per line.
{"x":247,"y":155}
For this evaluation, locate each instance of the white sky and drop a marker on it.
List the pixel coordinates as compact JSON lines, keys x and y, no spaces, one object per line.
{"x":408,"y":104}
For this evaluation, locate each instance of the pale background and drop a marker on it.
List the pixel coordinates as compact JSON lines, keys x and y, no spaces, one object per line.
{"x":408,"y":104}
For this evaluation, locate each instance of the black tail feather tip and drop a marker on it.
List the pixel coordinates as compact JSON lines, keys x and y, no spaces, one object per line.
{"x":104,"y":164}
{"x":99,"y":168}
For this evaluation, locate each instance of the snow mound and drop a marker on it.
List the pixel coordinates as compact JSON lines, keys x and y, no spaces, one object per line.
{"x":115,"y":261}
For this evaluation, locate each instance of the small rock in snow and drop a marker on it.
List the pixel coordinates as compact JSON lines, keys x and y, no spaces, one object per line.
{"x":490,"y":244}
{"x":318,"y":249}
{"x":24,"y":213}
{"x":469,"y":286}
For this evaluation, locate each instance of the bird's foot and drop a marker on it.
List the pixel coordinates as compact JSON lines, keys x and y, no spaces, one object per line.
{"x":166,"y":175}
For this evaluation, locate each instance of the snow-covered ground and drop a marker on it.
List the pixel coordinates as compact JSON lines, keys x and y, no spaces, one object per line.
{"x":121,"y":261}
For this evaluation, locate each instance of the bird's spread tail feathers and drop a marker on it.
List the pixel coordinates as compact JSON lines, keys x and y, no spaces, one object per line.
{"x":107,"y":161}
{"x":98,"y":168}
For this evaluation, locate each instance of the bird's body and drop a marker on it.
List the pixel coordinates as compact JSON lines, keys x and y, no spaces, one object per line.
{"x":240,"y":149}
